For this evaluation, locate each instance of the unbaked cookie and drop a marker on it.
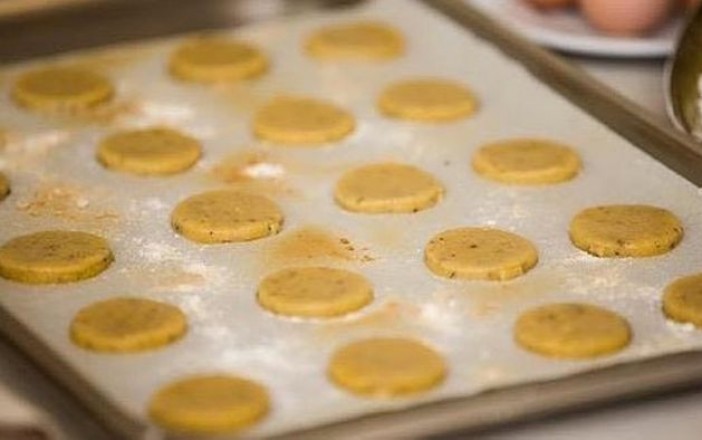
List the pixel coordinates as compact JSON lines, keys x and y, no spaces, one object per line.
{"x":62,"y":89}
{"x":527,"y":162}
{"x":4,"y":186}
{"x":209,"y":405}
{"x":480,"y":254}
{"x":363,"y":40}
{"x":430,"y":100}
{"x":54,"y":257}
{"x":211,"y":60}
{"x":682,"y":300}
{"x":384,"y":367}
{"x":572,"y":331}
{"x":124,"y":325}
{"x":625,"y":231}
{"x":152,"y":151}
{"x":320,"y":292}
{"x":226,"y":216}
{"x":387,"y":188}
{"x":297,"y":120}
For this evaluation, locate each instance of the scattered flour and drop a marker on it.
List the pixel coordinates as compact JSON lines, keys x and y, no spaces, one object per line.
{"x":155,"y":252}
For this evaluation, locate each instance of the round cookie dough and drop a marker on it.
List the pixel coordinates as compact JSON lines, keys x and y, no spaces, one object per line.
{"x":54,"y":257}
{"x":62,"y":89}
{"x":124,"y":325}
{"x":527,"y":162}
{"x":4,"y":187}
{"x":625,"y":231}
{"x":384,"y":367}
{"x":480,"y":254}
{"x":429,"y":100}
{"x":211,"y":60}
{"x":682,"y":300}
{"x":318,"y":292}
{"x":225,"y":216}
{"x":363,"y":40}
{"x":387,"y":188}
{"x":152,"y":151}
{"x":297,"y":120}
{"x":209,"y":405}
{"x":572,"y":331}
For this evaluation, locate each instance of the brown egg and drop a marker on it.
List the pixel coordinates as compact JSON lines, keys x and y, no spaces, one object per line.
{"x":627,"y":17}
{"x":689,"y":4}
{"x":550,"y":4}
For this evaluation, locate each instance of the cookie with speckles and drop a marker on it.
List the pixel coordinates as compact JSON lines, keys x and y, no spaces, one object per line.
{"x":61,"y":89}
{"x":125,"y":325}
{"x":296,"y":120}
{"x":682,"y":300}
{"x":387,"y":367}
{"x":320,"y":292}
{"x":54,"y":257}
{"x":572,"y":331}
{"x":427,"y":100}
{"x":526,"y":161}
{"x":209,"y":405}
{"x":150,"y":152}
{"x":4,"y":187}
{"x":362,"y":40}
{"x":216,"y":60}
{"x":224,"y":216}
{"x":480,"y":254}
{"x":387,"y":188}
{"x":626,"y":231}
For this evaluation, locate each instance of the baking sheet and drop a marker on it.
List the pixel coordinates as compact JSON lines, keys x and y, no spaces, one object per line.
{"x":57,"y":183}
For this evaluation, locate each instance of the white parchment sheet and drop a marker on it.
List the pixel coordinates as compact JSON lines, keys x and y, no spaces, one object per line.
{"x":58,"y":184}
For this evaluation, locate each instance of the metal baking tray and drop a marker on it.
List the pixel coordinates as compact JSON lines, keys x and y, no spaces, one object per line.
{"x":35,"y":34}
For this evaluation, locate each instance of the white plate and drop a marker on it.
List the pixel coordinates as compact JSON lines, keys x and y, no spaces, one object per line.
{"x":568,"y":31}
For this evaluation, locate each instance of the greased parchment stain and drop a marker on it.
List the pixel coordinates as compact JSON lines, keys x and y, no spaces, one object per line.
{"x":314,"y":244}
{"x":66,"y":202}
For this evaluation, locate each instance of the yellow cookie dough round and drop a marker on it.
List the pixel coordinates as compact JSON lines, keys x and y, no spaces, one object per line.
{"x":62,"y":89}
{"x":319,"y":292}
{"x":527,"y":162}
{"x":625,"y":231}
{"x":480,"y":254}
{"x":429,"y":100}
{"x":209,"y":405}
{"x":124,"y":325}
{"x":297,"y":120}
{"x":385,"y":367}
{"x":682,"y":300}
{"x":152,"y":151}
{"x":225,"y":216}
{"x":387,"y":188}
{"x":4,"y":186}
{"x":362,"y":40}
{"x":211,"y":60}
{"x":54,"y":257}
{"x":572,"y":331}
